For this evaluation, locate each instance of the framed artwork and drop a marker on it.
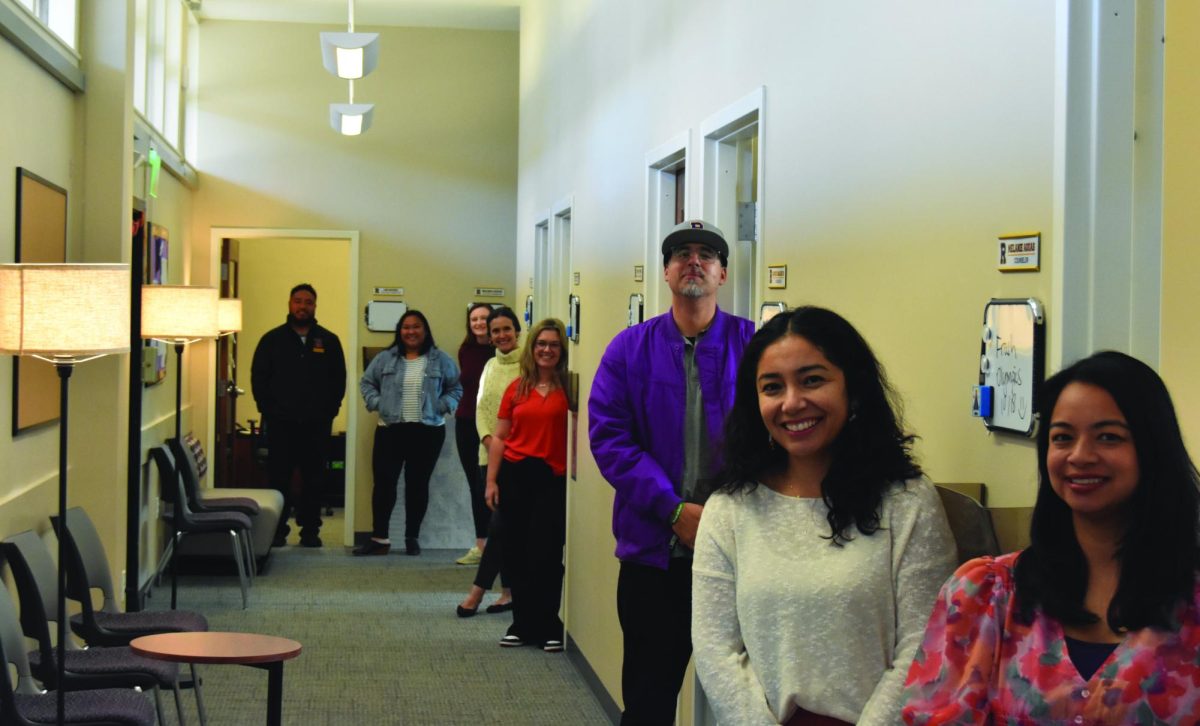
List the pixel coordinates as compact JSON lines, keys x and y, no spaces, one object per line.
{"x":777,"y":277}
{"x":41,"y":236}
{"x":155,"y":249}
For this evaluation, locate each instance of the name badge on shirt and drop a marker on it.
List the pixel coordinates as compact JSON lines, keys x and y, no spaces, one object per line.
{"x":318,"y":345}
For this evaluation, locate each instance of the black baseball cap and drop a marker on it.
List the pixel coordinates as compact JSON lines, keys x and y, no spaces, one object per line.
{"x":699,"y":232}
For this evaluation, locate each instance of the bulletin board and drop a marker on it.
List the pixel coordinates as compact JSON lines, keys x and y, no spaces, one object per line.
{"x":41,"y":231}
{"x":1012,"y":362}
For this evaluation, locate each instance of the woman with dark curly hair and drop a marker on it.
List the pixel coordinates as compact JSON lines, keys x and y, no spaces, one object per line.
{"x":819,"y":558}
{"x":1098,"y":620}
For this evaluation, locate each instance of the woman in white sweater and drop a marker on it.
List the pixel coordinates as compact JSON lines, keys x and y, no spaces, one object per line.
{"x":818,"y":561}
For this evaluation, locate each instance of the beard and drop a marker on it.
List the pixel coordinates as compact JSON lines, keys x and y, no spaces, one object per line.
{"x":691,"y":289}
{"x":293,"y":320}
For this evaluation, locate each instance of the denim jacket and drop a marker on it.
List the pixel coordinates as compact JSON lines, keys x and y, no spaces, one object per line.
{"x":382,"y":387}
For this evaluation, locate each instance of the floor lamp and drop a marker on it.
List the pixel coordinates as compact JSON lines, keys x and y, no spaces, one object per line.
{"x":178,"y":314}
{"x":64,"y":314}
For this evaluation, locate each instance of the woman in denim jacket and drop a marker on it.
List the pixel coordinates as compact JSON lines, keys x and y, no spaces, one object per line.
{"x":414,"y":386}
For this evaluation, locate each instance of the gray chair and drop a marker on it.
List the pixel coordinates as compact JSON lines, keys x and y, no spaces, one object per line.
{"x":23,"y":703}
{"x":971,"y":524}
{"x":36,"y":578}
{"x":184,"y":521}
{"x":87,"y":569}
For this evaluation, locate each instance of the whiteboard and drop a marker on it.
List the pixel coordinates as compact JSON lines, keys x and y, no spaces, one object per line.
{"x":1012,"y":362}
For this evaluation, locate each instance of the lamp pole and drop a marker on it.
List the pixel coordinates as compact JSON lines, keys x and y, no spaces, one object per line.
{"x":64,"y":377}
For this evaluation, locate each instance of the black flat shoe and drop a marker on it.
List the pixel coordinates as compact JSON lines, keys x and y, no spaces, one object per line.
{"x":411,"y":547}
{"x":371,"y":547}
{"x":467,"y":612}
{"x":499,"y":607}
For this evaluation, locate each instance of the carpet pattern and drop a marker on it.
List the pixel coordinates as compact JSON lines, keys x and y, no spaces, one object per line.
{"x":382,"y":645}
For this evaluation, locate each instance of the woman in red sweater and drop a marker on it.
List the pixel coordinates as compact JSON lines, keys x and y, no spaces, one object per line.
{"x":526,"y":477}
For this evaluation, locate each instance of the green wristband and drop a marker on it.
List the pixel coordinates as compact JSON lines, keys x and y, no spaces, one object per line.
{"x":675,"y":515}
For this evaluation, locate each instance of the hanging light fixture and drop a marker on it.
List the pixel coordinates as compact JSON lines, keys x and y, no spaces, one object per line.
{"x":350,"y":55}
{"x":351,"y":119}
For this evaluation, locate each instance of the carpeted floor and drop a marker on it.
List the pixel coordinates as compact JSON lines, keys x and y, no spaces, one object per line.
{"x":382,"y":645}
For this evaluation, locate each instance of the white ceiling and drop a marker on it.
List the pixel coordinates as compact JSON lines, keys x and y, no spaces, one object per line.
{"x":470,"y":14}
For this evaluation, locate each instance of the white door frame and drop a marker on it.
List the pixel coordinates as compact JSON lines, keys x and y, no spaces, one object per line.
{"x":352,"y":321}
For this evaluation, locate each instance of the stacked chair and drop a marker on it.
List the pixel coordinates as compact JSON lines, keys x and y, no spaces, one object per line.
{"x":185,"y":519}
{"x":33,"y":571}
{"x":87,"y":569}
{"x":24,"y":703}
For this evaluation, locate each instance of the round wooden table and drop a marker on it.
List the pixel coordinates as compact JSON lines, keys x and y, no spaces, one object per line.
{"x":257,"y":651}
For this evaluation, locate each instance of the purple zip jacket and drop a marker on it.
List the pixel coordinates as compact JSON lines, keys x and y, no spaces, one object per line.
{"x":635,"y":422}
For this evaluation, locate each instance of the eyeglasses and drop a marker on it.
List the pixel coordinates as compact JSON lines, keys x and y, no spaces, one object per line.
{"x":683,"y":254}
{"x":547,"y":344}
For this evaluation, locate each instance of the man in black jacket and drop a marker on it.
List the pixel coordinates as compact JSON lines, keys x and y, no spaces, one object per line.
{"x":298,"y":378}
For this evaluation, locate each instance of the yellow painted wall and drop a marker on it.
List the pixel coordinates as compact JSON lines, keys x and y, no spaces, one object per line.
{"x":38,"y":134}
{"x":269,"y":269}
{"x":1181,"y":217}
{"x":898,"y":146}
{"x":430,"y":186}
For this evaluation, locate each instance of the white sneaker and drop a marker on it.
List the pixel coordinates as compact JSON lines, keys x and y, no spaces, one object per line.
{"x":473,"y":556}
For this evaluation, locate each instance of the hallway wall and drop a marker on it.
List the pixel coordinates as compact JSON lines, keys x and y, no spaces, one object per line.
{"x":900,"y":142}
{"x":1181,"y":218}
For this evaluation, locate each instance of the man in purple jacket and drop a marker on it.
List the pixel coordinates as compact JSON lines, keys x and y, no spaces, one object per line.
{"x":656,"y":414}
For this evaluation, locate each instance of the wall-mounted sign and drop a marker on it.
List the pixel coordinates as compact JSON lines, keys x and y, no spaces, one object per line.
{"x":639,"y":273}
{"x":389,"y":291}
{"x":576,"y":278}
{"x":489,"y":292}
{"x":777,"y":276}
{"x":1019,"y":252}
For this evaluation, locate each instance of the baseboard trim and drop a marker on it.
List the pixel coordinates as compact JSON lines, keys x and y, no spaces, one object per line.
{"x":597,"y":688}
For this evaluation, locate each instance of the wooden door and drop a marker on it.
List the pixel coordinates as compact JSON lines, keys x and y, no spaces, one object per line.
{"x":227,"y":376}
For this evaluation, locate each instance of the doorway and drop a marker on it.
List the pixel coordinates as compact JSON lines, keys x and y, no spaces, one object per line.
{"x":328,"y":259}
{"x":732,"y":196}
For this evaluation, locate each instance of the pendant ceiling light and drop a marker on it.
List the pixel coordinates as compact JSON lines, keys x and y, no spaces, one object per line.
{"x":350,"y":55}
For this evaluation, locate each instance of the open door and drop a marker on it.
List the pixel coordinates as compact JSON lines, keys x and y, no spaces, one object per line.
{"x":227,"y":375}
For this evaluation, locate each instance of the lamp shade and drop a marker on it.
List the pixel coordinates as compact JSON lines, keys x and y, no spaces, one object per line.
{"x":229,"y":315}
{"x":64,"y":310}
{"x":351,"y":119}
{"x":350,"y":55}
{"x":179,"y":312}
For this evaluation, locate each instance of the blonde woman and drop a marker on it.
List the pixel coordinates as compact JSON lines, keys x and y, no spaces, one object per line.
{"x":527,"y":483}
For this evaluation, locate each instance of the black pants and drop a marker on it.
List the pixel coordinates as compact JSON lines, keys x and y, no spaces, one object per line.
{"x":655,"y":610}
{"x":413,"y":447}
{"x":533,"y":503}
{"x":466,"y":440}
{"x":489,"y":564}
{"x":303,"y":445}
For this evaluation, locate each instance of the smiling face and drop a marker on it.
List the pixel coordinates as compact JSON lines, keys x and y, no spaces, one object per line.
{"x":547,"y":349}
{"x":504,"y":334}
{"x":412,"y":333}
{"x":803,"y":401}
{"x":694,"y":271}
{"x":302,"y":306}
{"x":477,"y":322}
{"x":1091,"y":458}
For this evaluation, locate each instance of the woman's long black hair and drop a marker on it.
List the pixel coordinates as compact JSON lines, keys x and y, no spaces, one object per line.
{"x":1158,"y":553}
{"x":398,"y":344}
{"x":871,"y":452}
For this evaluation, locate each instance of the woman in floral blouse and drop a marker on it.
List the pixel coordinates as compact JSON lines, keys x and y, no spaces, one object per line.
{"x":1098,"y":621}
